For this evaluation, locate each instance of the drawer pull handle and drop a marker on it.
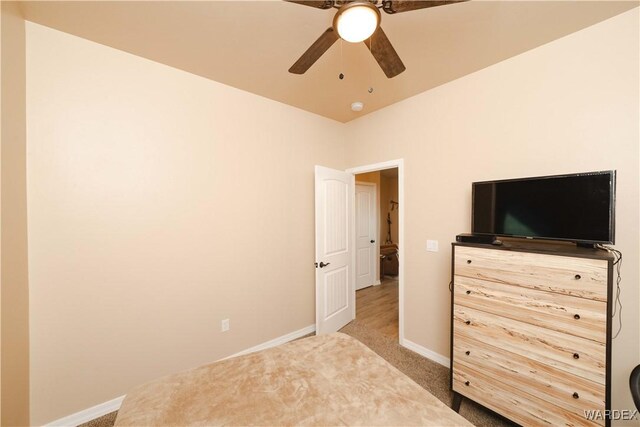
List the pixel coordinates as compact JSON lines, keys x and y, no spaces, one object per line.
{"x":576,"y":356}
{"x":576,"y":316}
{"x":578,"y":277}
{"x":468,"y":322}
{"x":468,"y":261}
{"x":467,"y":352}
{"x":466,"y":383}
{"x":468,"y":292}
{"x":576,"y":396}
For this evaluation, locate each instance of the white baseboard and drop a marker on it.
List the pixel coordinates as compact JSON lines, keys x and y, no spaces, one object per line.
{"x":378,"y":283}
{"x":97,"y":411}
{"x":276,"y":341}
{"x":429,"y":354}
{"x":89,"y":414}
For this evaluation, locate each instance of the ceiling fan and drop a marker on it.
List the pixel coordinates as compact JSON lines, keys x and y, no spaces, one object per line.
{"x":359,"y":20}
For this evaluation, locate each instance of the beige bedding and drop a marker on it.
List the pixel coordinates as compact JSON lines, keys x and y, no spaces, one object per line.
{"x":325,"y":380}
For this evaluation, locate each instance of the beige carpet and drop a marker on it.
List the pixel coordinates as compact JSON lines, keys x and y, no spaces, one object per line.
{"x":430,"y":375}
{"x":105,"y":421}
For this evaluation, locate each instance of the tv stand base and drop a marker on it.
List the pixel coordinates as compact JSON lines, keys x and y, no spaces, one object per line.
{"x":586,"y":245}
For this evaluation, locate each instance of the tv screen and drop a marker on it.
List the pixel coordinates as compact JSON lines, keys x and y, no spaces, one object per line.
{"x":577,"y":207}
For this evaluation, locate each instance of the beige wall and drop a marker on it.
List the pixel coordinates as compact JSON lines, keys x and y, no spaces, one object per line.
{"x":568,"y":106}
{"x":14,"y":295}
{"x":160,"y":203}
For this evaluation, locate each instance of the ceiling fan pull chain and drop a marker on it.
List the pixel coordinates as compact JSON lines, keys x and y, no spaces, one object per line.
{"x":341,"y":75}
{"x":370,"y":90}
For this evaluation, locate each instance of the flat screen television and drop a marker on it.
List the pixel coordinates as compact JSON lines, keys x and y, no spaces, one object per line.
{"x":577,"y":207}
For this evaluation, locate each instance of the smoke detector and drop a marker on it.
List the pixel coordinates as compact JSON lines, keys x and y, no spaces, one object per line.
{"x":357,"y":106}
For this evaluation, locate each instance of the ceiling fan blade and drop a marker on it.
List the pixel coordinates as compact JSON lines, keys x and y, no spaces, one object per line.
{"x":383,"y":51}
{"x":318,"y":4}
{"x":397,"y":6}
{"x":320,"y":46}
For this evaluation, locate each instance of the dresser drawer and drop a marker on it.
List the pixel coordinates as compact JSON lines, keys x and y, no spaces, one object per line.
{"x":512,"y":402}
{"x":576,"y":316}
{"x":568,"y":391}
{"x":568,"y":353}
{"x":580,"y":277}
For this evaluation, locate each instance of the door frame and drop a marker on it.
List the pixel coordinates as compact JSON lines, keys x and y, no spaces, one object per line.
{"x":376,"y":211}
{"x":398,"y":163}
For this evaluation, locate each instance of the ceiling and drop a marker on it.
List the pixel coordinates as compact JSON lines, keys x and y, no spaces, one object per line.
{"x":250,"y":45}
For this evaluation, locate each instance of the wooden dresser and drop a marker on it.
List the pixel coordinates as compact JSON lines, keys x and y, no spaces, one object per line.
{"x":531,"y":330}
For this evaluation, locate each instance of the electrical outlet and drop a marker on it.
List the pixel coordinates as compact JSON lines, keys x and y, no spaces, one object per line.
{"x":432,"y":245}
{"x":224,"y":325}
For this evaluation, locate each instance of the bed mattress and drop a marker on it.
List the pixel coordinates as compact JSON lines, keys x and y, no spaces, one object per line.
{"x":325,"y":380}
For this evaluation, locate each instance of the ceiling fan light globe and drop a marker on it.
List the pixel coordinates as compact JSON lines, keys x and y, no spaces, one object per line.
{"x":357,"y":22}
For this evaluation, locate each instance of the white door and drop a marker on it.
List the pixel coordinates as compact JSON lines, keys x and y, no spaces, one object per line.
{"x":366,"y":227}
{"x":335,"y":292}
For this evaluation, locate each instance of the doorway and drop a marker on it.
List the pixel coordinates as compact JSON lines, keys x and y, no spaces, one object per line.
{"x":381,"y":306}
{"x":335,"y":241}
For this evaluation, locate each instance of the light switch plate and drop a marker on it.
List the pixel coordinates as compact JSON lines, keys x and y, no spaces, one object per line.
{"x":432,"y":245}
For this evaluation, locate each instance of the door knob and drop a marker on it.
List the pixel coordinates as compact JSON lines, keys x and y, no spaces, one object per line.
{"x":322,"y":264}
{"x":373,"y":241}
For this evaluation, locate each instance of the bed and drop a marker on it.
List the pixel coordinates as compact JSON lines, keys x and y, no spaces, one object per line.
{"x":325,"y":380}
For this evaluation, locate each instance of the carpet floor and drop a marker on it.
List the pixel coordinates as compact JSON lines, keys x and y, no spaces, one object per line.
{"x":428,"y":374}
